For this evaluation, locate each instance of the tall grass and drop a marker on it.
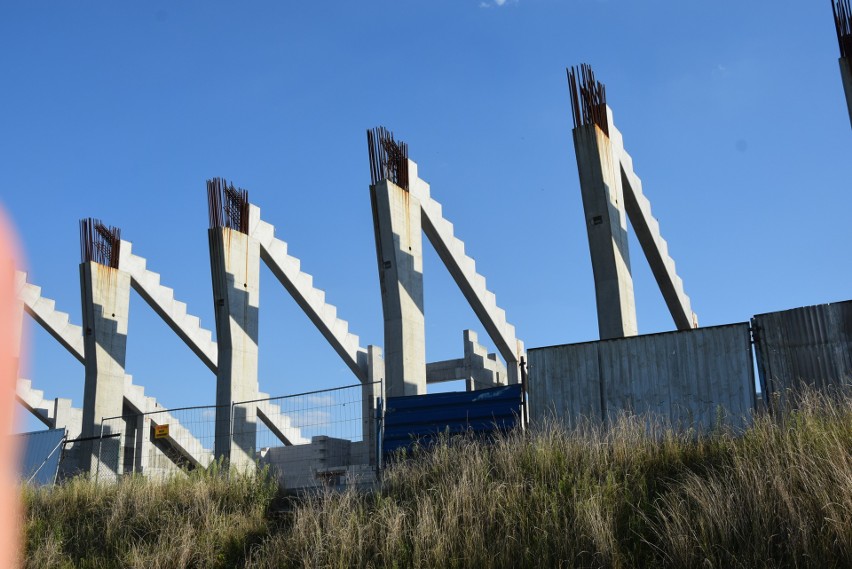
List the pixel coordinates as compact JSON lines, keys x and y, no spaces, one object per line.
{"x":779,"y":495}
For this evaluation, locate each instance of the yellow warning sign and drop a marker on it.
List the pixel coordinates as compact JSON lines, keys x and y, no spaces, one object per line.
{"x":161,"y":431}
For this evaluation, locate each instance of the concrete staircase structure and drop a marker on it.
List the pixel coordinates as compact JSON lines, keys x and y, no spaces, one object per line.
{"x":462,"y":267}
{"x":300,"y":285}
{"x":188,"y":328}
{"x":57,"y":324}
{"x":647,"y":229}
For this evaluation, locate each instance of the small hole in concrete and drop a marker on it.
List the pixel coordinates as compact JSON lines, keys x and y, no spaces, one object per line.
{"x":113,"y":314}
{"x":245,"y":285}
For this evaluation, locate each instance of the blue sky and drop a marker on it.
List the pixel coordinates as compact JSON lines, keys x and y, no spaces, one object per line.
{"x":733,"y":112}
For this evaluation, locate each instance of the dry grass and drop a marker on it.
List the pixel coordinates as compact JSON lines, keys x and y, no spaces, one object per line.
{"x":779,"y":495}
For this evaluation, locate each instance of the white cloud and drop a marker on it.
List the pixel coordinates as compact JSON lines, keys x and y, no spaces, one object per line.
{"x":497,"y":3}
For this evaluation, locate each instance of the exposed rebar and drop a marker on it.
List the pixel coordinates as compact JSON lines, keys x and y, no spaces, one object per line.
{"x":588,"y":98}
{"x":843,"y":24}
{"x":227,"y":205}
{"x":99,"y":243}
{"x":388,"y":158}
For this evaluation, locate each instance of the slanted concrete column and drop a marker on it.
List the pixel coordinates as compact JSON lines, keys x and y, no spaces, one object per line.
{"x":606,"y":224}
{"x":105,"y":298}
{"x":846,"y":75}
{"x":235,"y":269}
{"x":399,"y":250}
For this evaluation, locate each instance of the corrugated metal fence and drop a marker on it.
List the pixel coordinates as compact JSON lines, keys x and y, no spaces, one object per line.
{"x":689,"y":378}
{"x":419,"y":419}
{"x":804,"y":346}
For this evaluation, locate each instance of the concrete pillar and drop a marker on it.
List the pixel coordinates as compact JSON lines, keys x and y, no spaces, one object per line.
{"x":606,"y":224}
{"x":399,"y":250}
{"x":105,"y":295}
{"x":371,"y":393}
{"x":235,"y":270}
{"x":846,"y":75}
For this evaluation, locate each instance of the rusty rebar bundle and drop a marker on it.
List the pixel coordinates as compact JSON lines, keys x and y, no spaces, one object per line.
{"x":843,"y":24}
{"x":588,"y":98}
{"x":388,"y":158}
{"x":99,"y":243}
{"x":227,"y":205}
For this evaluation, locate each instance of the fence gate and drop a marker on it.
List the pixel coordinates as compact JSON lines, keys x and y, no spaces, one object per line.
{"x":419,"y":419}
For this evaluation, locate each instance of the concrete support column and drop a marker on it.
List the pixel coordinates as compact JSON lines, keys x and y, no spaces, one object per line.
{"x":105,"y":293}
{"x":846,"y":75}
{"x":399,"y":250}
{"x":372,"y":392}
{"x":606,"y":224}
{"x":235,"y":270}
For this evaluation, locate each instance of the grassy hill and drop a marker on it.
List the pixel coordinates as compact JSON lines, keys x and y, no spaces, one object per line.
{"x":779,"y":495}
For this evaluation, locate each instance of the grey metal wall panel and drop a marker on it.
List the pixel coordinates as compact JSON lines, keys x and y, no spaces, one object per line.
{"x":552,"y":395}
{"x":685,"y":378}
{"x":805,"y":346}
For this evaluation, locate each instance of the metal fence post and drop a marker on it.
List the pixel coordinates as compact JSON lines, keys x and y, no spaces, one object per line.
{"x":231,"y":435}
{"x":379,"y":433}
{"x":100,"y":448}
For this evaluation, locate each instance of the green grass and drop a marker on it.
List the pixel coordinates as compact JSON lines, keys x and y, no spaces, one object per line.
{"x":780,"y":495}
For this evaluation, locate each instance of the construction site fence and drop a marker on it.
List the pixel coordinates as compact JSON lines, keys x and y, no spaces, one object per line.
{"x":324,"y":437}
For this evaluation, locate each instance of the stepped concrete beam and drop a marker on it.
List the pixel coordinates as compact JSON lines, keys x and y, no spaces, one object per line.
{"x":647,"y":230}
{"x":462,"y":267}
{"x":478,"y":368}
{"x":399,"y":252}
{"x":173,"y":312}
{"x":56,"y":323}
{"x":59,"y":412}
{"x":279,"y":424}
{"x":106,"y":300}
{"x":200,"y":340}
{"x":53,"y":413}
{"x":235,"y":270}
{"x":483,"y":370}
{"x":287,"y":269}
{"x":68,"y":417}
{"x":606,"y":225}
{"x":179,"y":437}
{"x":33,"y":401}
{"x":71,"y":337}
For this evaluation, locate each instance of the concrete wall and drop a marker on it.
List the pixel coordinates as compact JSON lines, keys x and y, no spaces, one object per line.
{"x":804,"y":346}
{"x":685,"y":378}
{"x":325,"y":462}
